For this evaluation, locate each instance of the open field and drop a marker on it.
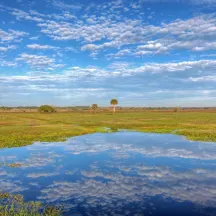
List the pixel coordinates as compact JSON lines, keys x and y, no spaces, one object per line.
{"x":18,"y":129}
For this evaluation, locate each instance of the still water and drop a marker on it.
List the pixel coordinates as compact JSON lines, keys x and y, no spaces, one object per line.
{"x":123,"y":173}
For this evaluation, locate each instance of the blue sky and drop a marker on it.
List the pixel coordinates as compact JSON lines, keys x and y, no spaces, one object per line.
{"x":144,"y":52}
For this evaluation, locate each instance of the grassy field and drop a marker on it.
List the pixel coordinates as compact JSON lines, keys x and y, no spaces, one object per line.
{"x":18,"y":129}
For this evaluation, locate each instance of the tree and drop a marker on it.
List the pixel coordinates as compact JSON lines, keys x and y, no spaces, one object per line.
{"x":177,"y":109}
{"x":47,"y":109}
{"x":114,"y":102}
{"x":94,"y":107}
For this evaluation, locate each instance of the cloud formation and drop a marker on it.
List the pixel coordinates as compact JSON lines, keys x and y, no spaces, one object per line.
{"x":58,"y":86}
{"x":40,"y":47}
{"x":75,"y":43}
{"x":38,"y":61}
{"x":11,"y":35}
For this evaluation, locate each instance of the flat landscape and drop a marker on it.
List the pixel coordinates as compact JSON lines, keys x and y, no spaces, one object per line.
{"x":108,"y":108}
{"x":19,"y":129}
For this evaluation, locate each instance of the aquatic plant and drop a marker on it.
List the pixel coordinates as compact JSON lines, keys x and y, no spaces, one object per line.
{"x":12,"y":165}
{"x":14,"y":205}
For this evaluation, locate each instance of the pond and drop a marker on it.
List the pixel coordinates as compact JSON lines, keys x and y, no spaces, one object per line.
{"x":122,"y":173}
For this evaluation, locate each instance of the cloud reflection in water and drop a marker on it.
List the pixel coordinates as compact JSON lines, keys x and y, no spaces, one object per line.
{"x":125,"y":172}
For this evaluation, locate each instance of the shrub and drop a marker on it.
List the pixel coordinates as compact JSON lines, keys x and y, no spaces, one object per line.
{"x":47,"y":109}
{"x":176,"y":109}
{"x":94,"y":107}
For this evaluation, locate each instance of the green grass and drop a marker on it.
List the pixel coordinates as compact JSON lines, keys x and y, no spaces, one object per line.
{"x":18,"y":129}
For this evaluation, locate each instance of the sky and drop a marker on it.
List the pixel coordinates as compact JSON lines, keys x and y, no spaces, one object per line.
{"x":141,"y":52}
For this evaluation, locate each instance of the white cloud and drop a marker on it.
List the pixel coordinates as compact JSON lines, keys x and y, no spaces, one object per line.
{"x":69,"y":16}
{"x":8,"y":64}
{"x":150,"y":46}
{"x":62,"y":5}
{"x":177,"y":67}
{"x":196,"y":34}
{"x":203,"y":79}
{"x":90,"y":20}
{"x":20,"y":14}
{"x":116,"y":69}
{"x":118,"y":65}
{"x":34,"y":38}
{"x":143,"y":52}
{"x":164,"y":45}
{"x":126,"y":81}
{"x":37,"y":17}
{"x":91,"y":47}
{"x":119,"y":54}
{"x":108,"y":30}
{"x":40,"y":47}
{"x":70,"y":49}
{"x":5,"y":49}
{"x":38,"y":61}
{"x":11,"y":35}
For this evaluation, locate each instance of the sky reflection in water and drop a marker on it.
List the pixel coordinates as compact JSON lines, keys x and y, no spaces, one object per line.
{"x":124,"y":173}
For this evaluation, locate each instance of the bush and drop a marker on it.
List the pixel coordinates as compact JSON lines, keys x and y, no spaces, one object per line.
{"x":176,"y":109}
{"x":47,"y":109}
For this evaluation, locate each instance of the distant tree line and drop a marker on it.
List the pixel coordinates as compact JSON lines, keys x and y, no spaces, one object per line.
{"x":95,"y":108}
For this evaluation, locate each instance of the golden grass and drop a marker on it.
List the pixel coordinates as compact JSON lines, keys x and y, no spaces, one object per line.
{"x":18,"y":129}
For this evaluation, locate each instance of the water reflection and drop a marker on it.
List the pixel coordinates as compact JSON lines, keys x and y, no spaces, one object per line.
{"x":124,"y":173}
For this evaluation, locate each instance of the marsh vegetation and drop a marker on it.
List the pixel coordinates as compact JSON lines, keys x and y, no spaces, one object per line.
{"x":14,"y":205}
{"x":18,"y":129}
